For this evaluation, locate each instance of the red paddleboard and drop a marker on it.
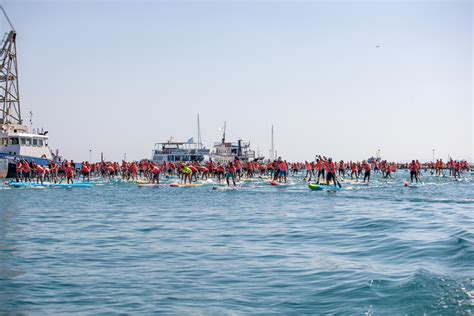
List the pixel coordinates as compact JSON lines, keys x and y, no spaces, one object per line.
{"x":274,"y":183}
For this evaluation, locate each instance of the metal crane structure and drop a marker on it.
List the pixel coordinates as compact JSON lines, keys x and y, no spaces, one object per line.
{"x":10,"y":112}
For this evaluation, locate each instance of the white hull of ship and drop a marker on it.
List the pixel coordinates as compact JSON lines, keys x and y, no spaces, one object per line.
{"x":3,"y":168}
{"x":222,"y":159}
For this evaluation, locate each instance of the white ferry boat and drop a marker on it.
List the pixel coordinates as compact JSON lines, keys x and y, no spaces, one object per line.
{"x":173,"y":151}
{"x":225,"y":151}
{"x":16,"y":142}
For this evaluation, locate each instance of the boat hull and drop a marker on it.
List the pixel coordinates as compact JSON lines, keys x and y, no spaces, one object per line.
{"x":3,"y":168}
{"x":8,"y":164}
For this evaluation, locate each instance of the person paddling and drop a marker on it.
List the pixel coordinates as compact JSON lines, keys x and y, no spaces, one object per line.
{"x":330,"y":171}
{"x":354,"y":171}
{"x":367,"y":169}
{"x":413,"y":167}
{"x":230,"y":173}
{"x":70,"y":173}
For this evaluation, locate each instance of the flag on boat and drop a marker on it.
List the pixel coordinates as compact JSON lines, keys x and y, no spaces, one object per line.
{"x":191,"y":140}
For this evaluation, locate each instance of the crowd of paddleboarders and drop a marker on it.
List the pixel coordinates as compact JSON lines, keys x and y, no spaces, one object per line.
{"x":321,"y":171}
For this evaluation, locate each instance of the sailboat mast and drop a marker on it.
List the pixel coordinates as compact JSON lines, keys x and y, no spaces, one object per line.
{"x":199,"y":132}
{"x":272,"y":150}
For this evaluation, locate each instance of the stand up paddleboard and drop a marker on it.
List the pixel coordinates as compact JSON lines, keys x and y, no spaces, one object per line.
{"x":179,"y":185}
{"x":148,"y":185}
{"x":412,"y":185}
{"x":320,"y":187}
{"x":276,"y":183}
{"x":49,"y":185}
{"x":226,"y":188}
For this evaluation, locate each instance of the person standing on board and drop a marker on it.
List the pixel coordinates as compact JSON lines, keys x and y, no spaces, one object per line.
{"x":341,"y":168}
{"x":413,"y":167}
{"x":309,"y":171}
{"x":440,"y":168}
{"x":54,"y":171}
{"x":457,"y":170}
{"x":86,"y":171}
{"x":230,"y":173}
{"x":354,"y":171}
{"x":39,"y":172}
{"x":26,"y":171}
{"x":419,"y":169}
{"x":187,"y":173}
{"x":320,"y":169}
{"x":220,"y":171}
{"x":330,"y":171}
{"x":69,"y":173}
{"x":238,"y":167}
{"x":366,"y":166}
{"x":134,"y":171}
{"x":155,"y":174}
{"x":19,"y":171}
{"x":281,"y":170}
{"x":194,"y":172}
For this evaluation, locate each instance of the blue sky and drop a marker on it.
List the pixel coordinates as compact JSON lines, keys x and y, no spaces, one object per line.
{"x":117,"y":77}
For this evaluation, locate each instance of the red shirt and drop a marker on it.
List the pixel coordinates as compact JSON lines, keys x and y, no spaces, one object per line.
{"x":330,"y":166}
{"x":70,"y":172}
{"x":319,"y":165}
{"x":26,"y":167}
{"x":39,"y":169}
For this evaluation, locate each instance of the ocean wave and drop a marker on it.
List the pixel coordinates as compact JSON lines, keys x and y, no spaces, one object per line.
{"x":423,"y":292}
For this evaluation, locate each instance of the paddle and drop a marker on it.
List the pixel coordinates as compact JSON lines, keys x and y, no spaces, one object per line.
{"x":337,"y":181}
{"x":419,"y":175}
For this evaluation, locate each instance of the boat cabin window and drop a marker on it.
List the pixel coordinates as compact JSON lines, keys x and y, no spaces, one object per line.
{"x":4,"y":141}
{"x":35,"y":142}
{"x":40,"y":142}
{"x":28,"y":141}
{"x":14,"y":141}
{"x":23,"y":141}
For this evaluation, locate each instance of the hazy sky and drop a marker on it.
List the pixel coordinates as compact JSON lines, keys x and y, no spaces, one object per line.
{"x":118,"y":77}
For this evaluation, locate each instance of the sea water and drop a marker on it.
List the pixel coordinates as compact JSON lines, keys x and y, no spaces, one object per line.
{"x":381,"y":249}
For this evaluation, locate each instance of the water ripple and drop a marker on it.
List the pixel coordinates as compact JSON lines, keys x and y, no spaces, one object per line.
{"x":379,"y":249}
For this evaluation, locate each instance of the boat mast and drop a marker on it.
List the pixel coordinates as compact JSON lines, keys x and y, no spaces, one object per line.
{"x":9,"y":89}
{"x":272,"y":150}
{"x":199,"y":133}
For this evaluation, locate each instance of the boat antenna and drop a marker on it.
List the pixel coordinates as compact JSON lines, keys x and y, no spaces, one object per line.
{"x":6,"y":16}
